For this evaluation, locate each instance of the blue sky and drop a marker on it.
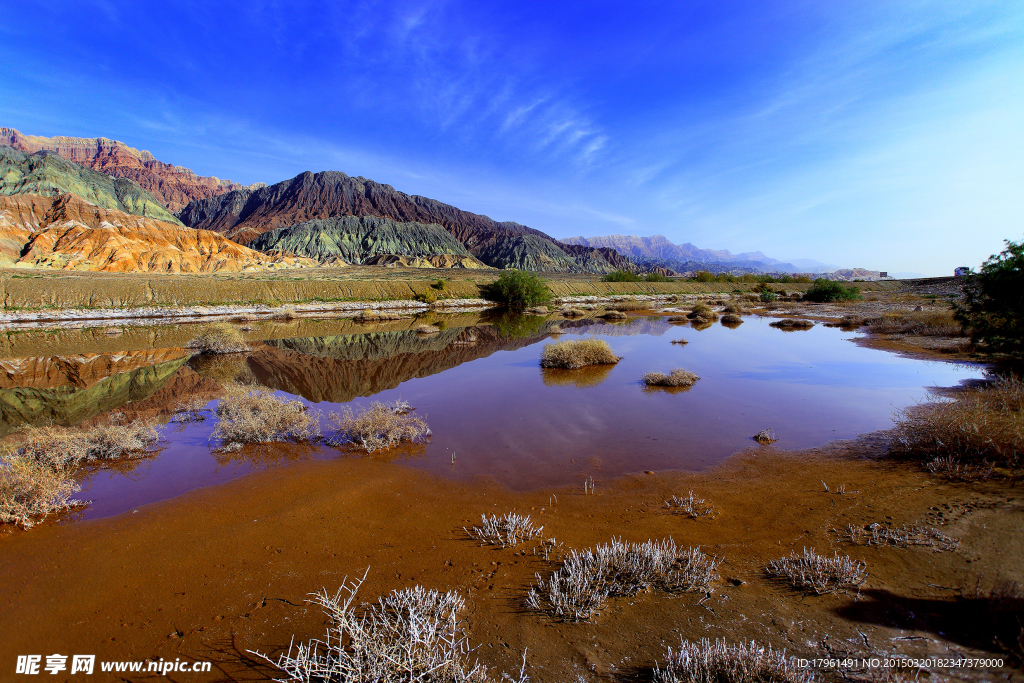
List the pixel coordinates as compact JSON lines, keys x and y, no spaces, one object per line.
{"x":885,"y":135}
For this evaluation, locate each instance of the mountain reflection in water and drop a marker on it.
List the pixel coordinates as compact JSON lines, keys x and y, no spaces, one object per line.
{"x":479,"y":386}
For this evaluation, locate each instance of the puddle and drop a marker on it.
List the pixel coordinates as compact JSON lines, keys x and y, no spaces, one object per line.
{"x":489,"y":403}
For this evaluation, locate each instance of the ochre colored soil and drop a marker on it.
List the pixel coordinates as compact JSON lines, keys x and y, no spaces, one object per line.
{"x":227,"y":569}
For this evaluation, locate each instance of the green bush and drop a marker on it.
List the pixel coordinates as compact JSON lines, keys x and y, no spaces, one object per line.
{"x":825,"y":291}
{"x":518,"y":289}
{"x":427,"y":297}
{"x":657,"y":277}
{"x":621,"y":276}
{"x":768,"y":296}
{"x":993,"y":304}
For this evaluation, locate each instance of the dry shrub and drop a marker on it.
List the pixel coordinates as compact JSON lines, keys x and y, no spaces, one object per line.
{"x":702,"y":312}
{"x":954,"y":470}
{"x":792,"y":324}
{"x":506,"y":531}
{"x":677,"y":319}
{"x":613,"y":315}
{"x":961,"y":435}
{"x":676,"y":378}
{"x":379,"y":427}
{"x":412,"y":635}
{"x":577,"y":353}
{"x":680,"y":341}
{"x":734,"y":307}
{"x":765,"y":436}
{"x":691,"y":506}
{"x":189,"y":410}
{"x":704,"y":662}
{"x":904,"y":537}
{"x":731,"y":319}
{"x":31,"y":490}
{"x":923,"y":323}
{"x":572,"y":313}
{"x":65,"y":448}
{"x":219,"y":338}
{"x":256,"y":416}
{"x":818,"y":573}
{"x":538,"y":310}
{"x":588,"y":578}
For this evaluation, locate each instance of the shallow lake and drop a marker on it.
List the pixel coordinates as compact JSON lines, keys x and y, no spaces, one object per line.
{"x":488,"y":402}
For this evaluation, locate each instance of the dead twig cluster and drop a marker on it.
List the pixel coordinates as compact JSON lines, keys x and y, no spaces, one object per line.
{"x":412,"y":635}
{"x":902,"y":537}
{"x":819,"y":573}
{"x":379,"y":427}
{"x":257,"y":416}
{"x":718,"y":662}
{"x":691,"y":506}
{"x":587,"y":579}
{"x":507,"y":531}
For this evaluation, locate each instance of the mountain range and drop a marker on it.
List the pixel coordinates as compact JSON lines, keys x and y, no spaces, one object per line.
{"x":327,"y":218}
{"x":658,"y":250}
{"x":247,"y":214}
{"x":173,"y":186}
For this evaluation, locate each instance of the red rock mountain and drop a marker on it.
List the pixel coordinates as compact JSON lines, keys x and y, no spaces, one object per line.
{"x":68,"y":233}
{"x":175,"y":186}
{"x":245,"y":215}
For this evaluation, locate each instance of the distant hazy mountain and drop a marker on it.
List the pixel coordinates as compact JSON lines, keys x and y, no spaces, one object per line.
{"x":657,"y":248}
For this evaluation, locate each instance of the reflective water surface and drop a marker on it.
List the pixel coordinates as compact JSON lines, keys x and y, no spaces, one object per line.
{"x":479,"y":386}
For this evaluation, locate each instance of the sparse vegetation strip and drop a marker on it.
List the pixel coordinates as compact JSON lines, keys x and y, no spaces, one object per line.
{"x":901,"y":537}
{"x":37,"y":477}
{"x":963,"y":437}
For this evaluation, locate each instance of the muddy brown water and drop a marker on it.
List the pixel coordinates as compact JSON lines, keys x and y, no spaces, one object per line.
{"x":492,"y":407}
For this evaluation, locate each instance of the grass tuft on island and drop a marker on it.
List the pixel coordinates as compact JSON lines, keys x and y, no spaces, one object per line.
{"x":675,"y":378}
{"x":379,"y":427}
{"x":577,"y":353}
{"x":254,"y":415}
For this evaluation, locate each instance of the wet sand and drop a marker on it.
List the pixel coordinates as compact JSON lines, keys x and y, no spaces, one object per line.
{"x":226,"y":569}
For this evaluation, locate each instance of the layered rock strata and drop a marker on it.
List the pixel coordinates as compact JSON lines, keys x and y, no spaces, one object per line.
{"x":174,"y":186}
